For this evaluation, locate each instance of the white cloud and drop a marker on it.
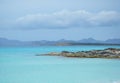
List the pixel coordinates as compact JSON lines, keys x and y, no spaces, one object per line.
{"x":68,"y":19}
{"x":106,"y":18}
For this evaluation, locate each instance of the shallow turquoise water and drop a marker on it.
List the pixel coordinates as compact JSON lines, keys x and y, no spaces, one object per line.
{"x":20,"y":65}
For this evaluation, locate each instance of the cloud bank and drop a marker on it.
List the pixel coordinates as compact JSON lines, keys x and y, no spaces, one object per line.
{"x":68,"y":19}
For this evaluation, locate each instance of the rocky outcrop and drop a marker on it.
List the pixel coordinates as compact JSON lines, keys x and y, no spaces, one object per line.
{"x":106,"y":53}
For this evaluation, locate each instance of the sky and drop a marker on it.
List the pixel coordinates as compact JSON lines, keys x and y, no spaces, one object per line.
{"x":31,"y":20}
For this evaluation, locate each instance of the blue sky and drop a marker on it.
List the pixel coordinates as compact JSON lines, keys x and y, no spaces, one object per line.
{"x":59,"y":19}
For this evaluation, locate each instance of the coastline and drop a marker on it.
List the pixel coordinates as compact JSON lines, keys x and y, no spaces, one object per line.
{"x":109,"y":53}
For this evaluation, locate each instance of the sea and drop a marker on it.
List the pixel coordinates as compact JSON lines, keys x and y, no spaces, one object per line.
{"x":21,"y":65}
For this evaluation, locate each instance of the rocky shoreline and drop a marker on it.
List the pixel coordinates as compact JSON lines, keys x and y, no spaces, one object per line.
{"x":106,"y":53}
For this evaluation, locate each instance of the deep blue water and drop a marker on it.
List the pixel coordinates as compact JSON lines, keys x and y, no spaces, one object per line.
{"x":20,"y":65}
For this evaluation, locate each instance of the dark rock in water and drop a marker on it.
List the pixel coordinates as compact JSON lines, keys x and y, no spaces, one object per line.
{"x":112,"y":49}
{"x":106,"y":53}
{"x":65,"y":51}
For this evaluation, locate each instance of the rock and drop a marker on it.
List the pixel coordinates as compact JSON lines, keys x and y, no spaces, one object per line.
{"x":65,"y":51}
{"x":112,"y":49}
{"x":53,"y":53}
{"x":106,"y":53}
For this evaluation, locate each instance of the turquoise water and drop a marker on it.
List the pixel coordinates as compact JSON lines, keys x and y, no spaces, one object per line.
{"x":20,"y":65}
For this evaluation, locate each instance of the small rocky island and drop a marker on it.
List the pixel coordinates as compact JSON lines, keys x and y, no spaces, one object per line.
{"x":106,"y":53}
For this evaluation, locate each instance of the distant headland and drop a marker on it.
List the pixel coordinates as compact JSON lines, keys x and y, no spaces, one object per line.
{"x":4,"y":42}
